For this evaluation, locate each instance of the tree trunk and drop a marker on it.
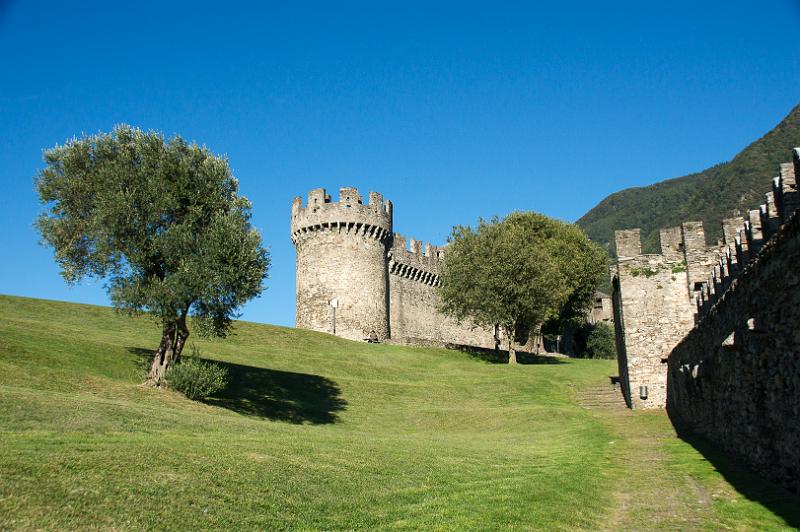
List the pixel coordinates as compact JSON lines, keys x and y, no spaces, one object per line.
{"x":512,"y":353}
{"x":163,"y":356}
{"x":173,"y":339}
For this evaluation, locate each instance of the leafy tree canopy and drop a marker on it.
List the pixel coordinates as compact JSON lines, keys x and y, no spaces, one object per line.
{"x":162,"y":221}
{"x":519,"y":272}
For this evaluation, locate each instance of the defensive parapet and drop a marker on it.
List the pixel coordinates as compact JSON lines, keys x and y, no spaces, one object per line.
{"x":652,"y":314}
{"x":349,"y":213}
{"x":653,"y":305}
{"x":341,"y":263}
{"x":419,"y":263}
{"x":744,"y":242}
{"x":735,"y":377}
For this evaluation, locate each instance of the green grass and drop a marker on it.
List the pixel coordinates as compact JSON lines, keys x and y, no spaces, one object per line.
{"x":315,"y":432}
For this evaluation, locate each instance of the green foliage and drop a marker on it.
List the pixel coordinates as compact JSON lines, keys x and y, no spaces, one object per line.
{"x":647,"y":271}
{"x":724,"y":190}
{"x":600,"y":342}
{"x":160,"y":219}
{"x":196,"y":378}
{"x":678,"y":269}
{"x":519,"y":272}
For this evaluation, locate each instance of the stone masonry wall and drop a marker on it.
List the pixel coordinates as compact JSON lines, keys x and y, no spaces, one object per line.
{"x":735,"y":377}
{"x":654,"y":302}
{"x":347,"y":251}
{"x":413,"y":301}
{"x":652,"y":312}
{"x":341,"y":252}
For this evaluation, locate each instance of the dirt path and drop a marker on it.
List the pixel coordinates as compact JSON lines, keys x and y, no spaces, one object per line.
{"x":649,"y":493}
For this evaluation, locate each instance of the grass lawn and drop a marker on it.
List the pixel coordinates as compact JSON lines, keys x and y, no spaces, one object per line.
{"x":316,"y":432}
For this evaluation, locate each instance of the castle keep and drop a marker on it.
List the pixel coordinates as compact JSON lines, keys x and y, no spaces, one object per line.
{"x":380,"y":282}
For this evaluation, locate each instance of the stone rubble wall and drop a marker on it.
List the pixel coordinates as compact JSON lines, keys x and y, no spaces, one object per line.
{"x":341,"y":250}
{"x":735,"y":377}
{"x":414,"y":318}
{"x":654,"y":304}
{"x":383,"y":282}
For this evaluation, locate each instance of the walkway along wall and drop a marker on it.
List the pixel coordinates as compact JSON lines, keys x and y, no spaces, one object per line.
{"x":735,"y":377}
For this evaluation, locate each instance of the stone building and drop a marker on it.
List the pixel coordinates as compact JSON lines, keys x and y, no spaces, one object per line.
{"x":602,"y":309}
{"x":654,"y":303}
{"x":380,"y":282}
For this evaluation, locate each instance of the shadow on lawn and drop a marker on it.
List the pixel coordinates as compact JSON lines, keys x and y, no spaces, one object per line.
{"x":501,"y":357}
{"x":749,"y":484}
{"x":276,"y":395}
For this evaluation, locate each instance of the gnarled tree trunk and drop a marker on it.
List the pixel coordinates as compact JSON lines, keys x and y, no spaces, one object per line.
{"x":512,"y":353}
{"x":173,"y":339}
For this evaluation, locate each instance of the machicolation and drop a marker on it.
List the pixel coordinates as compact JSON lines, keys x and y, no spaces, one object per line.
{"x":381,"y":282}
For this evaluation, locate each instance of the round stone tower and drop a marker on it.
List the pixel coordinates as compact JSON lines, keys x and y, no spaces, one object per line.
{"x":341,"y":260}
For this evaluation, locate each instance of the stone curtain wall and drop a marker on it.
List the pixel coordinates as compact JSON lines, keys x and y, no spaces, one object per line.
{"x":735,"y":377}
{"x":652,"y":311}
{"x":413,"y":302}
{"x":346,"y":251}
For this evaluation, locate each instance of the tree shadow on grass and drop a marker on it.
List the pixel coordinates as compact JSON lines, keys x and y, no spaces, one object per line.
{"x":276,"y":395}
{"x":501,"y":357}
{"x":749,"y":484}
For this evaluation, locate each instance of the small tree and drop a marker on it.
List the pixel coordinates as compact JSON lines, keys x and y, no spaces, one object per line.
{"x":600,"y":342}
{"x":162,"y":221}
{"x":518,"y":272}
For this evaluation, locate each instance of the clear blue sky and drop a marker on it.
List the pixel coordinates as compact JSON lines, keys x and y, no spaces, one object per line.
{"x":452,"y":111}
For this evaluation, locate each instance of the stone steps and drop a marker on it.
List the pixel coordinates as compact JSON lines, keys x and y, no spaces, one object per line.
{"x":604,"y":396}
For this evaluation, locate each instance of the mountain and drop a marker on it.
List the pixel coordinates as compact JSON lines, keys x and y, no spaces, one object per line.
{"x":718,"y":192}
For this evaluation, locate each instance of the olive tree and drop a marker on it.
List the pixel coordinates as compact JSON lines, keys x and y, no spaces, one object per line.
{"x":162,"y":221}
{"x":518,"y":272}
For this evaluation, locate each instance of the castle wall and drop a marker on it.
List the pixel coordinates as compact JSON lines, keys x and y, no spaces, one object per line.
{"x":350,"y":268}
{"x":415,"y":320}
{"x":341,"y":255}
{"x":735,"y":377}
{"x":655,"y":300}
{"x":652,"y":312}
{"x":414,"y":303}
{"x":346,"y":251}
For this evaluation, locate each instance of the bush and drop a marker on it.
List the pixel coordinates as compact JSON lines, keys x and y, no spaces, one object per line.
{"x":197,"y":378}
{"x":600,"y":342}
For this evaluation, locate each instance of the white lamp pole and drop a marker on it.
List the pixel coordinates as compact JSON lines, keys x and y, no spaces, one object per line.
{"x":334,"y":303}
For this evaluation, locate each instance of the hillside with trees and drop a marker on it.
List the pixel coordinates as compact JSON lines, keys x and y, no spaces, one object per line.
{"x":722,"y":191}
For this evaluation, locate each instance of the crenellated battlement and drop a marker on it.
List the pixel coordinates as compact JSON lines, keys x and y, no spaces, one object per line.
{"x":660,"y":297}
{"x":744,"y":242}
{"x":358,"y":279}
{"x":411,"y":259}
{"x":348,"y":215}
{"x":732,"y":377}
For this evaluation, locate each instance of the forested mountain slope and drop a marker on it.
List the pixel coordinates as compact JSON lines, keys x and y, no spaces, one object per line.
{"x":718,"y":192}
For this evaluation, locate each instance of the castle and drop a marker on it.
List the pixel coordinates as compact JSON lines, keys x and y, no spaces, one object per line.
{"x":357,"y":278}
{"x":711,"y":332}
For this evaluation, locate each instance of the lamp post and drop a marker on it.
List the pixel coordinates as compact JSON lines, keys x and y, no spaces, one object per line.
{"x":334,"y":303}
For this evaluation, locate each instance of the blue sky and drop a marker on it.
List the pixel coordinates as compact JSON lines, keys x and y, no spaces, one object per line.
{"x":452,"y":110}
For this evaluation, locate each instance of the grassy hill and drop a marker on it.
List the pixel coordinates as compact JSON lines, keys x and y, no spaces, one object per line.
{"x":316,"y":432}
{"x":719,"y":192}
